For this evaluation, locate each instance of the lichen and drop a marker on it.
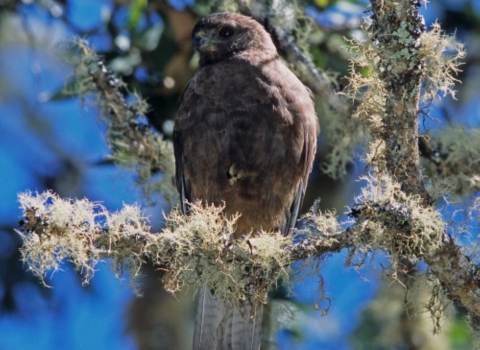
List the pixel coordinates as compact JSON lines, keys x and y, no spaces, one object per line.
{"x":443,"y":57}
{"x":196,"y":250}
{"x":134,"y":144}
{"x":414,"y":232}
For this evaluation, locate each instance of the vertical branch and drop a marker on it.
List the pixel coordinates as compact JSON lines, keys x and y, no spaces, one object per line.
{"x":397,"y":29}
{"x":399,"y":34}
{"x":133,"y":142}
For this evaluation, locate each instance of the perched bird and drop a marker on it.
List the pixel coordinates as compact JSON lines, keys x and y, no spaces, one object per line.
{"x":245,"y":135}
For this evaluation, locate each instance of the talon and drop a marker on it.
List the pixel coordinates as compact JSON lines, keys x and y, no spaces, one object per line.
{"x":250,"y":246}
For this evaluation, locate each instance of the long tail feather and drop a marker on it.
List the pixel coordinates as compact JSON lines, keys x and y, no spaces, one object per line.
{"x":220,"y":326}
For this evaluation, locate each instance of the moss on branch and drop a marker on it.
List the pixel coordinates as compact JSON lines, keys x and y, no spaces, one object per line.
{"x":452,"y":160}
{"x":199,"y":250}
{"x":194,"y":250}
{"x":133,"y":142}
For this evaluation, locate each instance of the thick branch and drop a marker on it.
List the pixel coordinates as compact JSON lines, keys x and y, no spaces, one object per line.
{"x":459,"y":277}
{"x":198,"y":249}
{"x":398,"y":27}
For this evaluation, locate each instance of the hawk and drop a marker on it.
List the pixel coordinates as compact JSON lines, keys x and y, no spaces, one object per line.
{"x":244,"y":136}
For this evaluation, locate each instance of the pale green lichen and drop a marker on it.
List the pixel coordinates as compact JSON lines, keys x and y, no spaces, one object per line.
{"x":62,"y":229}
{"x":207,"y":256}
{"x":134,"y":144}
{"x":196,"y":250}
{"x":416,"y":231}
{"x":365,"y":84}
{"x":443,"y":56}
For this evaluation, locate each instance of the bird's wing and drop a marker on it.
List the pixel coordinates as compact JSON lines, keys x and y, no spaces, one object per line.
{"x":178,"y":141}
{"x":310,"y":127}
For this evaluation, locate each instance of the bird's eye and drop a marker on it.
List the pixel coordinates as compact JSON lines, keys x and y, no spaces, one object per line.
{"x":226,"y":32}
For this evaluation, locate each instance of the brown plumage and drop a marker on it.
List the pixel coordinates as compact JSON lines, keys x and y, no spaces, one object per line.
{"x":245,"y":135}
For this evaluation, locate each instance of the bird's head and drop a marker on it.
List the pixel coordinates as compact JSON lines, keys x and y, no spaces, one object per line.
{"x":221,"y":36}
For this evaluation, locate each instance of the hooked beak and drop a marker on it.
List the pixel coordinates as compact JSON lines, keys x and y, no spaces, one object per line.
{"x":200,"y":41}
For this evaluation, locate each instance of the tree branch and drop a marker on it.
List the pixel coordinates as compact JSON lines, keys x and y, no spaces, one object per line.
{"x":199,"y":249}
{"x":133,"y":142}
{"x":398,"y":32}
{"x":397,"y":28}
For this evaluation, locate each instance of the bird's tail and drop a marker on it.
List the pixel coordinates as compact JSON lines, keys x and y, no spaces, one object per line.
{"x":221,"y":326}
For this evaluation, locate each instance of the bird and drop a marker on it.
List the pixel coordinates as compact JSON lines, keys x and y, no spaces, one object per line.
{"x":244,"y":137}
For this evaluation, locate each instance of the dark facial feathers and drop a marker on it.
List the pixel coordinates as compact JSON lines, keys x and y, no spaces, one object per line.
{"x":221,"y":36}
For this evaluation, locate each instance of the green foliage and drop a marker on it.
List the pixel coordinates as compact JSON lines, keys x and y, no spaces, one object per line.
{"x":135,"y":11}
{"x":459,"y":334}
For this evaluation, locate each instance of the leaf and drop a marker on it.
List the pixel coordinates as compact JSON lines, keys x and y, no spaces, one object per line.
{"x":135,"y":12}
{"x":322,"y":3}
